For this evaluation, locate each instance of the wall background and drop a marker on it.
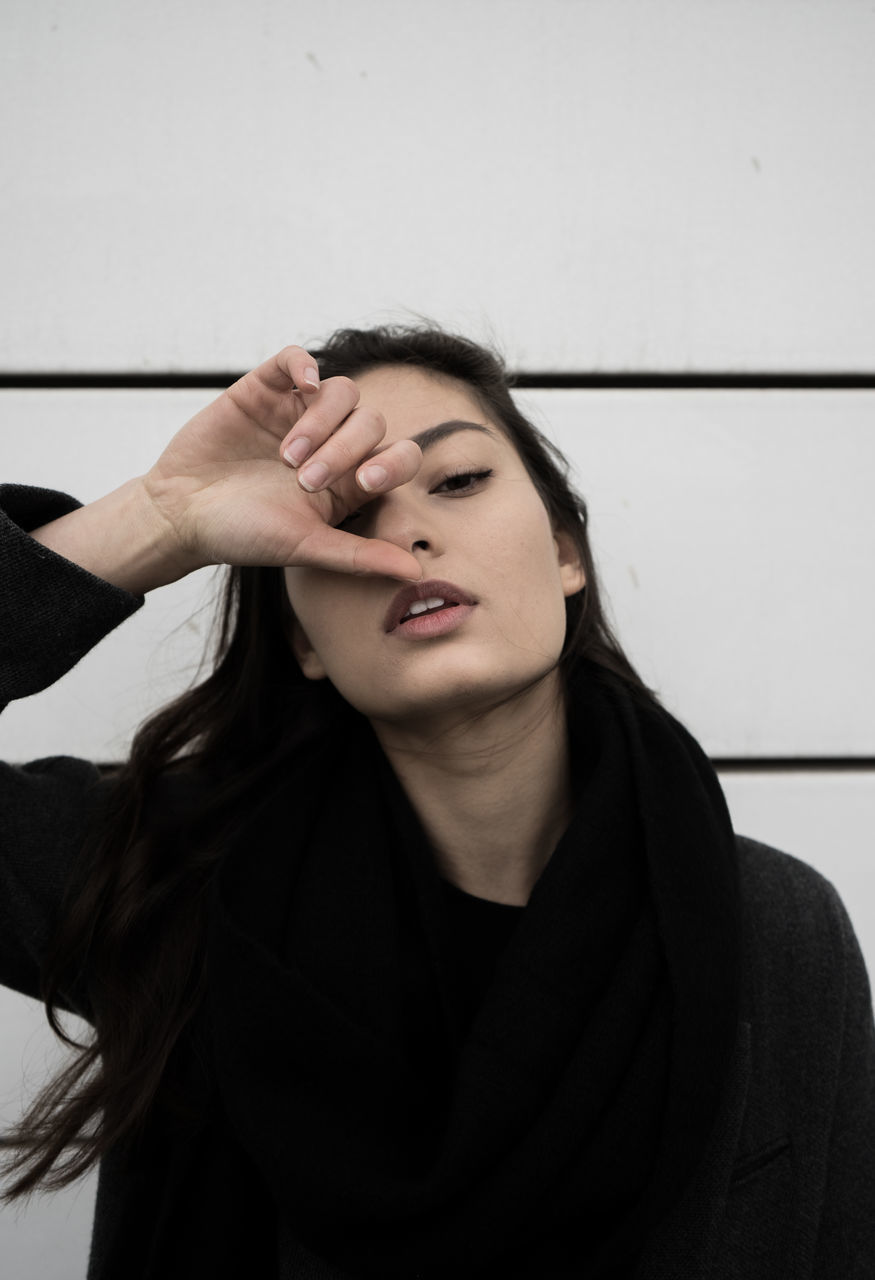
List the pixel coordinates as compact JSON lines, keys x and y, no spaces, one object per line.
{"x":662,"y":212}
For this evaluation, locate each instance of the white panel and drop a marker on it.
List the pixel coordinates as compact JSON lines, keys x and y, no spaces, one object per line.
{"x":733,"y":531}
{"x":736,"y":535}
{"x":47,"y":1238}
{"x":611,"y":186}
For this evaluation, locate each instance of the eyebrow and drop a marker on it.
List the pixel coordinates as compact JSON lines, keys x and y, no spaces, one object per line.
{"x":433,"y":435}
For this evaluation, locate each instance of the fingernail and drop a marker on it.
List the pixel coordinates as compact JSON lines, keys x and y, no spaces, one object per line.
{"x":313,"y":477}
{"x":372,"y":477}
{"x":297,"y":451}
{"x":311,"y":376}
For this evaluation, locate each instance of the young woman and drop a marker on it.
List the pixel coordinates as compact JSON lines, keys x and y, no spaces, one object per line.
{"x":415,"y":940}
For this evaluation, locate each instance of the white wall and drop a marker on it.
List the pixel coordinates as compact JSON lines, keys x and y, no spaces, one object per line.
{"x":606,"y":186}
{"x":614,"y":184}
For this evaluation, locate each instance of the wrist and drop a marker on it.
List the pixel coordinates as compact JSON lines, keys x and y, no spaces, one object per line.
{"x":121,"y":538}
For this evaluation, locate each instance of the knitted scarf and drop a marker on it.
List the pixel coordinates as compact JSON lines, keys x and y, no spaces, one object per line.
{"x":359,"y":1120}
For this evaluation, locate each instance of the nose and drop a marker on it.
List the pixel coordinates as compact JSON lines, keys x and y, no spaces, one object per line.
{"x":400,"y":519}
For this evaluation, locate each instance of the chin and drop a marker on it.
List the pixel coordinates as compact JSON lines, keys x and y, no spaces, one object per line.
{"x":453,"y":689}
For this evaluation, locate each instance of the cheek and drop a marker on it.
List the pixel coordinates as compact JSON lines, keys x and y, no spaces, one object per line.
{"x":523,"y":568}
{"x":523,"y":539}
{"x":314,"y":604}
{"x":335,"y":615}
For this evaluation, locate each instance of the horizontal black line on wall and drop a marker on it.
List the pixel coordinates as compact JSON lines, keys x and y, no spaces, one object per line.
{"x":794,"y":764}
{"x":525,"y":381}
{"x":745,"y":764}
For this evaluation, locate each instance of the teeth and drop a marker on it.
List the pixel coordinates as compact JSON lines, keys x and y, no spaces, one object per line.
{"x":420,"y":606}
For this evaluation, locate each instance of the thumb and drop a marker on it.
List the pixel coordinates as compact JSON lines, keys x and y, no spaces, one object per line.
{"x":342,"y":552}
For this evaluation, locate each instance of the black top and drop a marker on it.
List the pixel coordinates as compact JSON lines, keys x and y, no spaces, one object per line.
{"x":481,"y":930}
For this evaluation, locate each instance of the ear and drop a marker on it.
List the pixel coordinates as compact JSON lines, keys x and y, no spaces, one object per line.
{"x":308,"y":659}
{"x":570,"y":568}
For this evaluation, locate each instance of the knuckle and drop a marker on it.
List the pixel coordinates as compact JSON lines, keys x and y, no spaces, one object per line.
{"x":337,"y":402}
{"x":338,"y":450}
{"x":291,"y":353}
{"x":407,"y":457}
{"x":371,"y":424}
{"x":321,"y":422}
{"x":356,"y":565}
{"x":344,"y":384}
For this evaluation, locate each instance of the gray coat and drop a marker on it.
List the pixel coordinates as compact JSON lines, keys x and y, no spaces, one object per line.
{"x":787,"y":1191}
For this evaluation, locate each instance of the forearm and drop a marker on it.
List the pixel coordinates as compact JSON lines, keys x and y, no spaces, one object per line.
{"x":120,"y":538}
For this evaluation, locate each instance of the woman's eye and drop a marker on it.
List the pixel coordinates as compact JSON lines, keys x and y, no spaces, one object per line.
{"x":462,"y":481}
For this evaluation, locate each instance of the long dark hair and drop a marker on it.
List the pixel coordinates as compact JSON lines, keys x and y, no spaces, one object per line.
{"x":131,"y":947}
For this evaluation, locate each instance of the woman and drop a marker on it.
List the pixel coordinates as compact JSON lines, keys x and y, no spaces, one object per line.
{"x":416,"y":939}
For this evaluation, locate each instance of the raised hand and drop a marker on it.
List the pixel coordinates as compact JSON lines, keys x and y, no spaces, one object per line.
{"x":227,"y":491}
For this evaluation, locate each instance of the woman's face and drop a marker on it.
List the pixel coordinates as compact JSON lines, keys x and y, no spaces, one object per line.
{"x":472,"y":518}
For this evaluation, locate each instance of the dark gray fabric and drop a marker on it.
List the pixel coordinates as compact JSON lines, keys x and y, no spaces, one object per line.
{"x":788,"y":1188}
{"x":51,"y":613}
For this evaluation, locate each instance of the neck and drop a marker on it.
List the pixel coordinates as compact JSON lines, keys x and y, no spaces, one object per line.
{"x":493,"y":793}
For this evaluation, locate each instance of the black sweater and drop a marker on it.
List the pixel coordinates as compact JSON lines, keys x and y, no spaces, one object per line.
{"x":788,"y":1189}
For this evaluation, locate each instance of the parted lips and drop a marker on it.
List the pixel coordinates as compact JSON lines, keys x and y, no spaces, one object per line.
{"x":433,"y":589}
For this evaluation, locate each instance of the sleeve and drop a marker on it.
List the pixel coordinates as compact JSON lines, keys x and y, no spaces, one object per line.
{"x":846,"y":1238}
{"x":51,"y":613}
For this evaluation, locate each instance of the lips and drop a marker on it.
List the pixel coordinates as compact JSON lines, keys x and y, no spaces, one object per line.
{"x":431,"y":589}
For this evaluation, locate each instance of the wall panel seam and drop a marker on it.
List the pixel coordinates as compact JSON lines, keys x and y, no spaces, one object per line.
{"x":523,"y":380}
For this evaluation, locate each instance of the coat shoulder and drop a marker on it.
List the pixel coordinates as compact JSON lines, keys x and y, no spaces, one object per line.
{"x":802,"y":961}
{"x":788,"y":901}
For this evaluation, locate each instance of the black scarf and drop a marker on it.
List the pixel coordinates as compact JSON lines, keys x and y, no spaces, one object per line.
{"x":355,"y":1114}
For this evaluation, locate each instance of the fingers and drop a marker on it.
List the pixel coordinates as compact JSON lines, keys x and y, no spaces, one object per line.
{"x":385,"y":469}
{"x":342,"y":450}
{"x":354,"y":447}
{"x":336,"y":400}
{"x":333,"y":549}
{"x":275,"y":394}
{"x":369,"y":474}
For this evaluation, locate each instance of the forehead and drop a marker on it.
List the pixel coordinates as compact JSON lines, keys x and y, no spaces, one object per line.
{"x":411,"y":400}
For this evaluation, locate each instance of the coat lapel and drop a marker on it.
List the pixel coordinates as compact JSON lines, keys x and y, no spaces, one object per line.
{"x":683,"y":1246}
